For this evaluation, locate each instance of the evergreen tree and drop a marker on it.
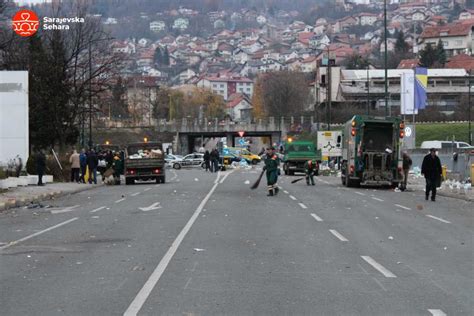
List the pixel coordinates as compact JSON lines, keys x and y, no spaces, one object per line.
{"x":158,"y":57}
{"x":119,"y":107}
{"x":401,"y":46}
{"x":166,"y":57}
{"x":440,"y":54}
{"x":428,"y":56}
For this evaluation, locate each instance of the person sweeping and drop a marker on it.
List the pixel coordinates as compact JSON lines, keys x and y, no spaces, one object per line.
{"x":272,"y":162}
{"x":309,"y":169}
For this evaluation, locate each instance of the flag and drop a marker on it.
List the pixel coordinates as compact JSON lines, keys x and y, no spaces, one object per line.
{"x":421,"y":84}
{"x":407,"y":97}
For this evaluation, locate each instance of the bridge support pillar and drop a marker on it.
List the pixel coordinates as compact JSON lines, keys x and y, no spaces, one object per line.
{"x":182,"y":146}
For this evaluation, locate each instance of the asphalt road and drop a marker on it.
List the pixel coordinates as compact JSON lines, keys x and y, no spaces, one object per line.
{"x":205,"y":244}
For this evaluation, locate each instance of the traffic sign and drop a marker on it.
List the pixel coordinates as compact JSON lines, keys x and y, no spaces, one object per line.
{"x":408,"y":131}
{"x":241,"y":133}
{"x":327,"y":143}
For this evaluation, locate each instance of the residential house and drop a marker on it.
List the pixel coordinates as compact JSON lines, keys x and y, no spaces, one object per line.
{"x":456,"y":37}
{"x":367,"y":18}
{"x":157,"y":26}
{"x":227,"y":85}
{"x":181,"y":24}
{"x":239,"y":107}
{"x":466,"y":14}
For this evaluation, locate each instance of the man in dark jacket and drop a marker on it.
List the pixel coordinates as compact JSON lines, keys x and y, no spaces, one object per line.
{"x":92,"y":163}
{"x":83,"y":163}
{"x":431,"y":169}
{"x":207,"y":158}
{"x":40,"y":166}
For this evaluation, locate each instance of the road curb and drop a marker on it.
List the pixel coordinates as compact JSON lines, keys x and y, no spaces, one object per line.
{"x":456,"y":196}
{"x":12,"y":203}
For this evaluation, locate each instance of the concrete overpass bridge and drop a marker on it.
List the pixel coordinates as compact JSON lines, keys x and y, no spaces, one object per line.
{"x":186,"y":131}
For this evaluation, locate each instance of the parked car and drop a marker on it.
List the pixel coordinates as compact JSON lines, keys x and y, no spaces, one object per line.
{"x":441,"y":144}
{"x":191,"y":160}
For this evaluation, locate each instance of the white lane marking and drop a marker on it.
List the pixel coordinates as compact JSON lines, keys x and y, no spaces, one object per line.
{"x":225,"y":177}
{"x":97,"y":209}
{"x":218,"y":177}
{"x":379,"y":267}
{"x":286,"y":192}
{"x":437,"y":312}
{"x":292,"y":197}
{"x":316,"y":217}
{"x":135,"y":194}
{"x":360,"y":193}
{"x":145,"y":291}
{"x":404,"y":207}
{"x":187,"y":283}
{"x":302,"y":206}
{"x":377,"y":199}
{"x":338,"y":235}
{"x":439,"y":219}
{"x":380,"y":284}
{"x":121,"y":200}
{"x":65,"y":210}
{"x":147,"y":189}
{"x":38,"y":233}
{"x":152,"y":207}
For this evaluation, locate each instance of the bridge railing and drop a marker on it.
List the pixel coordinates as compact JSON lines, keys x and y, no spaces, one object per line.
{"x":190,"y":125}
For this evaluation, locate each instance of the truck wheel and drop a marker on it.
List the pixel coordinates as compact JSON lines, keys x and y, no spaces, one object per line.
{"x":129,"y":181}
{"x":285,"y":168}
{"x":292,"y":173}
{"x":176,"y":166}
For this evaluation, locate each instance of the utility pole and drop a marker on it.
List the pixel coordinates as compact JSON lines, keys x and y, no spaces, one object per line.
{"x":90,"y":94}
{"x":368,"y":91}
{"x":328,"y":92}
{"x":469,"y":110}
{"x":385,"y":55}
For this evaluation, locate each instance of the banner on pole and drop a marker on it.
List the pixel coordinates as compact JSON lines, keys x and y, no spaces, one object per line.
{"x":407,"y":95}
{"x":421,"y":84}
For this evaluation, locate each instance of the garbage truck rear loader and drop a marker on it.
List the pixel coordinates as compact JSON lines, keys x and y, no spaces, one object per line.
{"x":371,"y":151}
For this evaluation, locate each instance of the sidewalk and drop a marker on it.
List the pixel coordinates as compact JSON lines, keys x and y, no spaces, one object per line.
{"x":22,"y":196}
{"x":418,"y":183}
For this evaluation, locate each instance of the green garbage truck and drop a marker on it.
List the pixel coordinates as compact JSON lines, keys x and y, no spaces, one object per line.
{"x":296,"y":153}
{"x":371,"y":151}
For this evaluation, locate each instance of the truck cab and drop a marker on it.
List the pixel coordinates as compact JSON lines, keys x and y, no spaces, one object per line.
{"x":144,"y":161}
{"x":296,"y":153}
{"x":371,"y":151}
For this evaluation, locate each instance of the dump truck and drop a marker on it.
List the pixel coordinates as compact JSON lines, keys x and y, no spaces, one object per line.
{"x":296,"y":153}
{"x":144,"y":161}
{"x":371,"y":151}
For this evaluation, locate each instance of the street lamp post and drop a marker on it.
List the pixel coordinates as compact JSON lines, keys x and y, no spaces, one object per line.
{"x":469,"y":111}
{"x":90,"y":94}
{"x":368,"y":91}
{"x":385,"y":55}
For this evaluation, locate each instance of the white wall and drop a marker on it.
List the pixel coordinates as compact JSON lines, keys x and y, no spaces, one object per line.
{"x":13,"y":115}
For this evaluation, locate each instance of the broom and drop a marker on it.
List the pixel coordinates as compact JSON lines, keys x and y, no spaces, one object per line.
{"x":255,"y":185}
{"x":296,"y":180}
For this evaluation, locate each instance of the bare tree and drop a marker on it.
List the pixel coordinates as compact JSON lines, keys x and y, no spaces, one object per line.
{"x":285,"y":93}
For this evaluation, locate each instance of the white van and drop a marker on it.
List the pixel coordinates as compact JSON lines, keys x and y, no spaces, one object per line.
{"x":441,"y":144}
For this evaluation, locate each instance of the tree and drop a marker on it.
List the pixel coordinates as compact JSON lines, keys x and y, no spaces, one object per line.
{"x":158,"y":57}
{"x":401,"y":46}
{"x":428,"y":56}
{"x":440,"y":54}
{"x":166,"y":57}
{"x":285,"y":93}
{"x":356,"y":62}
{"x":258,"y":110}
{"x":118,"y":108}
